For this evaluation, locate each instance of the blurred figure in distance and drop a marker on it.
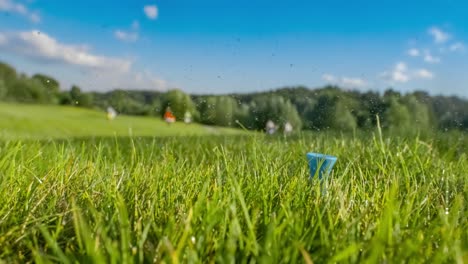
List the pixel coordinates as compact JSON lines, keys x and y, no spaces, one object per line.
{"x":270,"y":127}
{"x":187,"y":117}
{"x":111,"y":113}
{"x":288,"y":128}
{"x":168,"y":116}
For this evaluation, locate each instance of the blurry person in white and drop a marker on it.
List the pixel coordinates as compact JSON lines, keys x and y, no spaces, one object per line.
{"x":187,"y":117}
{"x":111,"y":113}
{"x":288,"y":128}
{"x":270,"y":127}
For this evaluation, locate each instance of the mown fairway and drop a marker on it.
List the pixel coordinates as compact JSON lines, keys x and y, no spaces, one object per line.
{"x":48,"y":121}
{"x":232,"y":199}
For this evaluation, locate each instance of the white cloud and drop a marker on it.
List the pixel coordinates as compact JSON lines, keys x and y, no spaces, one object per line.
{"x":353,"y":82}
{"x":423,"y":74}
{"x":126,"y":36}
{"x":429,"y":58}
{"x":439,"y":35}
{"x":401,"y":67}
{"x":346,"y":82}
{"x":96,"y":72}
{"x":402,"y":74}
{"x":150,"y":81}
{"x":414,"y":52}
{"x":457,"y":47}
{"x":329,"y":78}
{"x":39,"y":46}
{"x":12,"y":6}
{"x":398,"y":74}
{"x":151,"y":11}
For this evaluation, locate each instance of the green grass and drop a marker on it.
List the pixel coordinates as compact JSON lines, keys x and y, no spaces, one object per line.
{"x":230,"y":199}
{"x":233,"y":199}
{"x":42,"y":122}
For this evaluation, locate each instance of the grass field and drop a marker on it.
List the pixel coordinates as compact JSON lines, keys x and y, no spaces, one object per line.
{"x":45,"y":122}
{"x":229,"y":198}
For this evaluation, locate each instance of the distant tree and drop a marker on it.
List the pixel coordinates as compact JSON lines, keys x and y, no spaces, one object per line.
{"x":274,"y":108}
{"x":344,"y":119}
{"x":27,"y":90}
{"x":124,"y":103}
{"x":79,"y":98}
{"x":419,"y":113}
{"x":7,"y":73}
{"x":390,"y":93}
{"x":217,"y":110}
{"x":156,"y":106}
{"x":464,"y":124}
{"x":64,"y":98}
{"x":372,"y":105}
{"x":52,"y":86}
{"x":242,"y":116}
{"x":322,"y":115}
{"x":397,"y":117}
{"x":3,"y":90}
{"x":334,"y":111}
{"x":449,"y":111}
{"x":75,"y":94}
{"x":180,"y":103}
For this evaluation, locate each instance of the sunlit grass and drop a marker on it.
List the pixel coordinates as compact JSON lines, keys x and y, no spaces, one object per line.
{"x":61,"y":122}
{"x":231,"y":199}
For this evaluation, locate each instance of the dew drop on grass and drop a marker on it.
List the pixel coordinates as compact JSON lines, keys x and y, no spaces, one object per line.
{"x":446,"y":211}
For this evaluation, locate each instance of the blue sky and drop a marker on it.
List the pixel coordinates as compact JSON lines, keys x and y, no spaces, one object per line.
{"x":240,"y":46}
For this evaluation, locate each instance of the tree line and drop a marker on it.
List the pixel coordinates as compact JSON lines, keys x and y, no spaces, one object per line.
{"x":326,"y":108}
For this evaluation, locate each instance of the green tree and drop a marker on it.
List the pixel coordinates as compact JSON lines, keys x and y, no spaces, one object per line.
{"x":419,"y":113}
{"x":3,"y":90}
{"x":65,"y":98}
{"x":122,"y":102}
{"x":27,"y":90}
{"x":217,"y":110}
{"x":344,"y":119}
{"x":321,"y":116}
{"x":7,"y":73}
{"x":242,"y":116}
{"x":397,"y":116}
{"x":371,"y":105}
{"x":275,"y":108}
{"x":156,"y":106}
{"x":179,"y":102}
{"x":52,"y":86}
{"x":79,"y":98}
